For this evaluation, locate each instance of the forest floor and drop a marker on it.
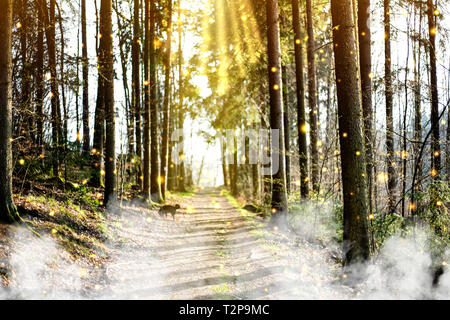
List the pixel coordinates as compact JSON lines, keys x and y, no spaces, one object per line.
{"x":212,"y":250}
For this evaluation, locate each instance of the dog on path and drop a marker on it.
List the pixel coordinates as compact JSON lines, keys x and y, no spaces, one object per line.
{"x":165,"y":210}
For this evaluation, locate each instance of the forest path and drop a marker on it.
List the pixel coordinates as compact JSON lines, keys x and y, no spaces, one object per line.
{"x":213,"y":250}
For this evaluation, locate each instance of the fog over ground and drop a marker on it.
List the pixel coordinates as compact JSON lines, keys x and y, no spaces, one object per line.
{"x":217,"y":251}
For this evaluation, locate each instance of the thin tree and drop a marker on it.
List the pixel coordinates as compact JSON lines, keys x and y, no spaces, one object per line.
{"x":99,"y":118}
{"x":54,"y":92}
{"x":167,"y":92}
{"x":255,"y":172}
{"x":365,"y":67}
{"x":435,"y":143}
{"x":356,"y":240}
{"x":25,"y":88}
{"x":301,"y":113}
{"x":107,"y":66}
{"x":171,"y":170}
{"x":7,"y":209}
{"x":234,"y":169}
{"x":155,"y":179}
{"x":85,"y":70}
{"x":41,"y":6}
{"x":181,"y":171}
{"x":312,"y":99}
{"x":279,"y":195}
{"x":286,"y":128}
{"x":223,"y":148}
{"x":136,"y":86}
{"x":99,"y":131}
{"x":417,"y":102}
{"x":404,"y":131}
{"x":146,"y":100}
{"x":63,"y":137}
{"x":390,"y":155}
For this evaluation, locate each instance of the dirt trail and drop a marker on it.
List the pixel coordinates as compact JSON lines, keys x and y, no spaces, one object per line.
{"x":212,"y":251}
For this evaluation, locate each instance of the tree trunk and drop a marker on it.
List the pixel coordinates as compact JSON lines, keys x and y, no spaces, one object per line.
{"x":404,"y":130}
{"x":435,"y":143}
{"x":54,"y":93}
{"x":65,"y":119}
{"x":234,"y":169}
{"x":136,"y":87}
{"x":99,"y":121}
{"x":181,"y":173}
{"x":126,"y":90}
{"x":224,"y":162}
{"x":365,"y":67}
{"x":301,"y":114}
{"x":99,"y":130}
{"x":279,"y":195}
{"x":107,"y":66}
{"x":85,"y":67}
{"x":146,"y":101}
{"x":356,"y":240}
{"x":7,"y":208}
{"x":286,"y":128}
{"x":417,"y":109}
{"x":40,"y":75}
{"x":254,"y":168}
{"x":167,"y":92}
{"x":312,"y":99}
{"x":25,"y":89}
{"x":155,"y":179}
{"x":390,"y":156}
{"x":171,"y":170}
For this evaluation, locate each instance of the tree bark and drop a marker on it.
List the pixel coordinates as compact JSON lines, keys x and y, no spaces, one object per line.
{"x":356,"y":240}
{"x":234,"y":169}
{"x":301,"y":113}
{"x":417,"y":109}
{"x":365,"y":67}
{"x":255,"y":175}
{"x":99,"y":121}
{"x":63,"y":137}
{"x":136,"y":87}
{"x":147,"y":187}
{"x":54,"y":92}
{"x":107,"y":66}
{"x":99,"y":129}
{"x":25,"y":88}
{"x":40,"y":75}
{"x":404,"y":130}
{"x":8,"y":211}
{"x":390,"y":156}
{"x":181,"y":172}
{"x":279,"y":195}
{"x":155,"y":179}
{"x":224,"y":161}
{"x":286,"y":128}
{"x":312,"y":99}
{"x":167,"y":92}
{"x":85,"y":67}
{"x":435,"y":143}
{"x":171,"y":170}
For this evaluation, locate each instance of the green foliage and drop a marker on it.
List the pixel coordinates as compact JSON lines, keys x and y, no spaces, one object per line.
{"x":316,"y":220}
{"x":384,"y":226}
{"x":432,"y":211}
